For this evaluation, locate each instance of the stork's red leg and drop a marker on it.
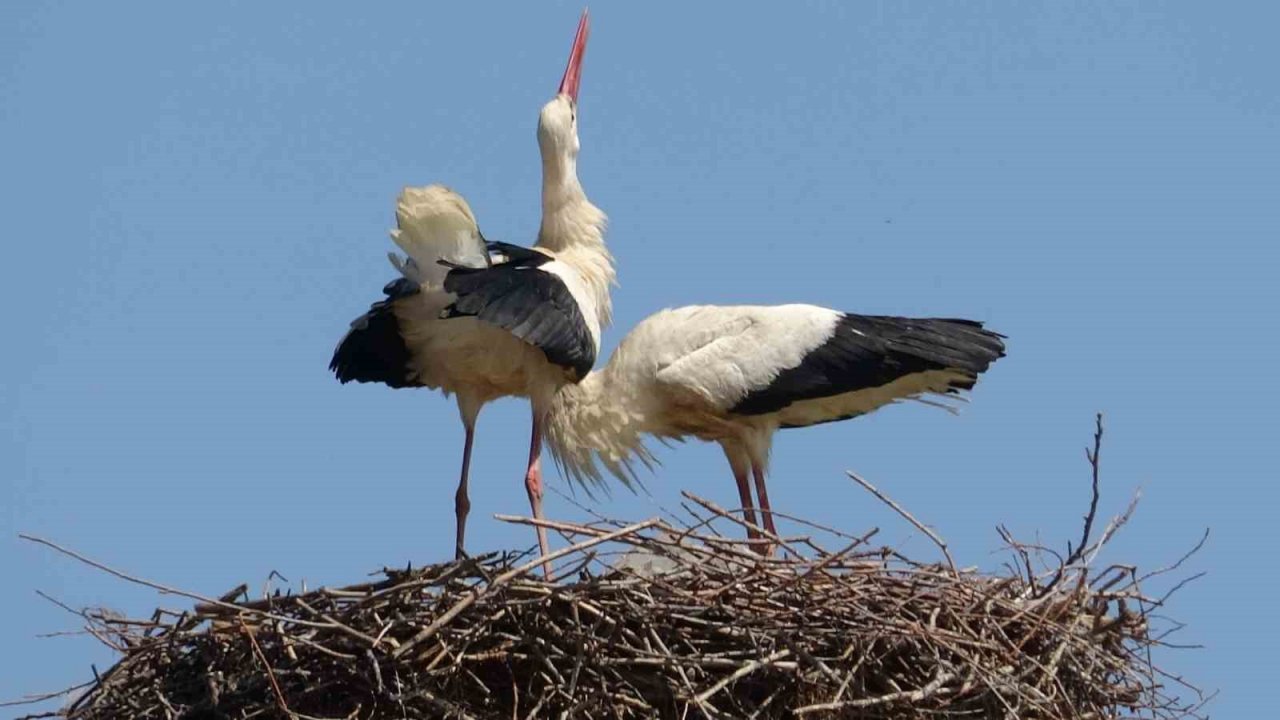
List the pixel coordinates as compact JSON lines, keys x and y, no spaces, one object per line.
{"x":533,"y":484}
{"x":461,"y":502}
{"x":740,"y":464}
{"x":766,"y":511}
{"x":744,"y":496}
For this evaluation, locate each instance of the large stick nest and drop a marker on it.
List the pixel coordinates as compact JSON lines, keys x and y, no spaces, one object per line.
{"x":662,"y":619}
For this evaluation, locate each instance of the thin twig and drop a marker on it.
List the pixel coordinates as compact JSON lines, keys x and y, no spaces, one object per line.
{"x":909,"y":517}
{"x":740,"y":673}
{"x":1093,"y":458}
{"x":271,"y":674}
{"x":42,"y":697}
{"x":157,"y":586}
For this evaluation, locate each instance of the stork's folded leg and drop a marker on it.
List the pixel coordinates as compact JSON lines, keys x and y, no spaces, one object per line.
{"x":533,"y":484}
{"x":461,"y":502}
{"x":766,"y":510}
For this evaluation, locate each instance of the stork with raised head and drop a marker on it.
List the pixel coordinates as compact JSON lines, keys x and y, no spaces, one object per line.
{"x":736,"y":375}
{"x":456,"y":322}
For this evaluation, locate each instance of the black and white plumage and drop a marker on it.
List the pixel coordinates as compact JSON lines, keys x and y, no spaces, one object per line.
{"x":735,"y":375}
{"x":533,"y":304}
{"x":524,"y":299}
{"x":459,"y":322}
{"x":864,"y":351}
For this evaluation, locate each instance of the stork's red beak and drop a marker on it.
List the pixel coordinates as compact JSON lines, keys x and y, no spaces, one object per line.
{"x":573,"y":73}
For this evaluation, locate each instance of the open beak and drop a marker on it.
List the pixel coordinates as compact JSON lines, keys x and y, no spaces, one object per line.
{"x":573,"y":73}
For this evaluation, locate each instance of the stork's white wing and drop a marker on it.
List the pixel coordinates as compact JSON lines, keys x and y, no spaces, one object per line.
{"x":722,"y":354}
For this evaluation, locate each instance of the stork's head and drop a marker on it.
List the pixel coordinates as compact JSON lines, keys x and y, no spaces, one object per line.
{"x":558,"y":121}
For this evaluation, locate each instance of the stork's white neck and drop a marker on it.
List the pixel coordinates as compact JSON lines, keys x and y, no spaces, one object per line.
{"x":573,"y":230}
{"x":597,"y":423}
{"x":568,"y":217}
{"x":560,"y":184}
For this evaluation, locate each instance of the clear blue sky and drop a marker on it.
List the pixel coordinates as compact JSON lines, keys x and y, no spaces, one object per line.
{"x":196,"y":200}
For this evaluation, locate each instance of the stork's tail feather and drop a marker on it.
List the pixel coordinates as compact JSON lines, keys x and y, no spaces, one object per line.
{"x":964,"y":346}
{"x":373,"y":350}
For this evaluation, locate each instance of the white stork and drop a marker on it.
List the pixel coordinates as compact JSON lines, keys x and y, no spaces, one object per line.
{"x":735,"y":375}
{"x":461,"y":324}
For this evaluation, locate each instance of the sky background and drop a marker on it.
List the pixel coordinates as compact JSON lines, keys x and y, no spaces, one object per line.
{"x":196,"y":202}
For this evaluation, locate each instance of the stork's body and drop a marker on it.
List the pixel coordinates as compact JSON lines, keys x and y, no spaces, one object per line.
{"x":736,"y":375}
{"x":480,"y":331}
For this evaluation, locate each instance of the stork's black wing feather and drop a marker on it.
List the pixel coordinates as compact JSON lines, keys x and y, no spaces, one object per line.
{"x":867,"y":351}
{"x":373,"y":350}
{"x":533,"y":304}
